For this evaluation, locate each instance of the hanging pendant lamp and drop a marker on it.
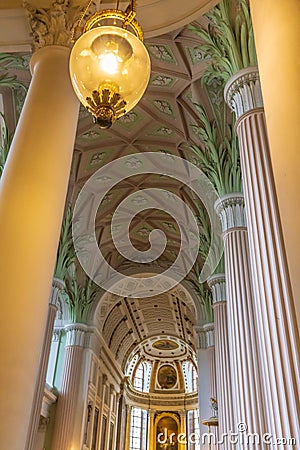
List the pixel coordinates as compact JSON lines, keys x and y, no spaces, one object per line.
{"x":109,"y":64}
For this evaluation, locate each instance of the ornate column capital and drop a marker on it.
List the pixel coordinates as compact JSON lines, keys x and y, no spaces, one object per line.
{"x":231,"y":210}
{"x":57,"y":332}
{"x":206,"y":336}
{"x":217,"y":285}
{"x":58,"y":286}
{"x":128,"y":409}
{"x":76,"y":333}
{"x":52,"y":26}
{"x":152,"y":413}
{"x":104,"y":378}
{"x":58,"y":298}
{"x":242,"y":91}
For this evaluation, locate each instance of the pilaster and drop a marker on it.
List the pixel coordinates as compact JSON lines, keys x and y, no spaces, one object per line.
{"x":68,"y":396}
{"x":151,"y":444}
{"x":206,"y":336}
{"x":217,"y":285}
{"x":206,"y":370}
{"x":128,"y":422}
{"x":41,"y":380}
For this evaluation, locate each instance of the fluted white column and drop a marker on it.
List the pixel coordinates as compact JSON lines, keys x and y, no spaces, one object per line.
{"x":277,"y":329}
{"x":222,"y":357}
{"x":281,"y":95}
{"x":241,"y":318}
{"x":66,"y":405}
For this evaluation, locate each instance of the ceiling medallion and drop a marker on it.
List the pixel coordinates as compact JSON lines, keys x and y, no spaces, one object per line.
{"x":165,"y":344}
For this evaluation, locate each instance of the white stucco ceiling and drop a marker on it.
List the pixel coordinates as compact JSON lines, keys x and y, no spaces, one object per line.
{"x":156,"y":16}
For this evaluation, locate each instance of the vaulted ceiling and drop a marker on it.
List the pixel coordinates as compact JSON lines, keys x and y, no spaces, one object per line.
{"x":162,"y":122}
{"x":130,"y":324}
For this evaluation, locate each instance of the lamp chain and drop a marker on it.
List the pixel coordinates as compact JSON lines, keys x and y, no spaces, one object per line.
{"x":78,"y":22}
{"x":130,"y":14}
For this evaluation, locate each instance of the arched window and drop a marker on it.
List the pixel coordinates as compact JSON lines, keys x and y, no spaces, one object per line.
{"x":131,"y":364}
{"x":141,"y":379}
{"x":190,"y":376}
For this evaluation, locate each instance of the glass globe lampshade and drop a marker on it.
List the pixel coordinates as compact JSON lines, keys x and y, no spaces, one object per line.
{"x":110,"y":71}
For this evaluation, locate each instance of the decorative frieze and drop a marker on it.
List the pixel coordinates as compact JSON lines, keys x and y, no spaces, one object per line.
{"x":242,"y":92}
{"x":231,"y":210}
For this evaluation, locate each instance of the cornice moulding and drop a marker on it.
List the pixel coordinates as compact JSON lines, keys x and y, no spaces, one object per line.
{"x":14,"y":31}
{"x":157,"y":401}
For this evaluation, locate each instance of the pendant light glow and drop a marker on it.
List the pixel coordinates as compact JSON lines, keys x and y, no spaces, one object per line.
{"x":110,"y":71}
